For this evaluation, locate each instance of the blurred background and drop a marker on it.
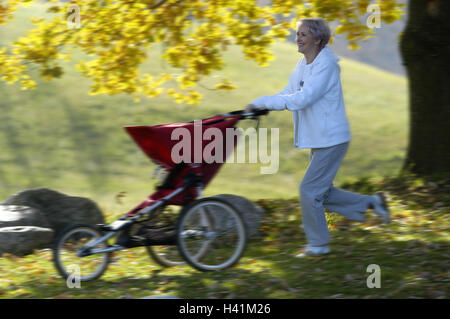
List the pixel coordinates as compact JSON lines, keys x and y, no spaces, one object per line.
{"x":61,"y":138}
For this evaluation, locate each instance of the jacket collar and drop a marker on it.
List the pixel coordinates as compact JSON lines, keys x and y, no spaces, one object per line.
{"x":324,"y":54}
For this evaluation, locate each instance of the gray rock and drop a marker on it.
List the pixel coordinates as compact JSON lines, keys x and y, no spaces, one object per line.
{"x":60,"y":210}
{"x":22,"y":240}
{"x":11,"y":215}
{"x":250,"y":212}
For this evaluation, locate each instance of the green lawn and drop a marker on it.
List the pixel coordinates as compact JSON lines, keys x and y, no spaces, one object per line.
{"x":412,"y":253}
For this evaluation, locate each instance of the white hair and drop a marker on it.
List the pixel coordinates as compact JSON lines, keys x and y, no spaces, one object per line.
{"x":319,"y":29}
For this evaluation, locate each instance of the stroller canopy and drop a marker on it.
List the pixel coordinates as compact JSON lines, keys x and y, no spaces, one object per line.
{"x":158,"y":141}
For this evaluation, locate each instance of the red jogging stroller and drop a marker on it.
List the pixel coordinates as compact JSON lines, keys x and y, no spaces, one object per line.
{"x":207,"y":233}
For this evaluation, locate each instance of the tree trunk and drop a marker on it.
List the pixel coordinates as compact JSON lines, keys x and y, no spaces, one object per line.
{"x":425,"y":47}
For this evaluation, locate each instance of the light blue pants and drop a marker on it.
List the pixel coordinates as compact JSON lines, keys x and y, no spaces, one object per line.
{"x":317,"y":192}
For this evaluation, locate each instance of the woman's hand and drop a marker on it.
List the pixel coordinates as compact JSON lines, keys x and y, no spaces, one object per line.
{"x":251,"y":107}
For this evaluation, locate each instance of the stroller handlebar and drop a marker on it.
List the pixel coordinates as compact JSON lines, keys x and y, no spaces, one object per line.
{"x":254,"y":113}
{"x":259,"y":112}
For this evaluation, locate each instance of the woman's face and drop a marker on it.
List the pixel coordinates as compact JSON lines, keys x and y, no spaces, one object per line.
{"x":305,"y":40}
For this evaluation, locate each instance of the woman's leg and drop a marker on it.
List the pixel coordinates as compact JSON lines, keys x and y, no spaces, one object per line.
{"x":315,"y":188}
{"x":349,"y":204}
{"x":317,"y":192}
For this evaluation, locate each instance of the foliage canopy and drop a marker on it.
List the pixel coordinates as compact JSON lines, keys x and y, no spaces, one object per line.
{"x":117,"y":36}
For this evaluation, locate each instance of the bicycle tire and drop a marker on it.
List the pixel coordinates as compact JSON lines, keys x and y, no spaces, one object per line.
{"x":225,"y":220}
{"x":72,"y":259}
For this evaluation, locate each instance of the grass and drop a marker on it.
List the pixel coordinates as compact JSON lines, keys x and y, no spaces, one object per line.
{"x":412,"y":253}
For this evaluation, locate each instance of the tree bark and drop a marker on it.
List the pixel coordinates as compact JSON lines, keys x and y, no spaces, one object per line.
{"x":425,"y":48}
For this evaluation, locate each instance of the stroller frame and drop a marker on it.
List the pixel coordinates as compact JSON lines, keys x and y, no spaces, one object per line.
{"x":206,"y":214}
{"x":123,"y":223}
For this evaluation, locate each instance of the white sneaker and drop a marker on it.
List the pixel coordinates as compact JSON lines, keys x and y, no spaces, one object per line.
{"x":380,"y":207}
{"x":314,"y":251}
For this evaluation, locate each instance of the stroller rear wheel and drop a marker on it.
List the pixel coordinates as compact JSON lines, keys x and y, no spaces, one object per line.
{"x":166,"y":256}
{"x":215,"y":227}
{"x":70,"y":258}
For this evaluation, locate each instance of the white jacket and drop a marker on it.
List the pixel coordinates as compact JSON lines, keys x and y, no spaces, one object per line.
{"x":317,"y":106}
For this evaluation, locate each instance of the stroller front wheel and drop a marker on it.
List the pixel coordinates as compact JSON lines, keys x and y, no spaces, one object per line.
{"x":215,"y":228}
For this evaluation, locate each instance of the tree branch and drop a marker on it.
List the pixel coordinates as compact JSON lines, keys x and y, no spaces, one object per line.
{"x":158,"y":4}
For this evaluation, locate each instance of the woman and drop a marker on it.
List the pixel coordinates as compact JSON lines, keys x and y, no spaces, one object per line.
{"x":314,"y":96}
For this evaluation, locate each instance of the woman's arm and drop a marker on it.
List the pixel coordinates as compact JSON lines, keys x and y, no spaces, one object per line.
{"x":321,"y":80}
{"x":259,"y":102}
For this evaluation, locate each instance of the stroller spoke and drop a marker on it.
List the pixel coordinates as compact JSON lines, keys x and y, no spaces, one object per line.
{"x":224,"y":239}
